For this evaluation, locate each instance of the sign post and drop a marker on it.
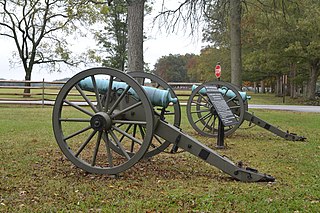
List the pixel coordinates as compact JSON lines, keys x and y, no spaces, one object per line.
{"x":218,"y":71}
{"x":223,"y":111}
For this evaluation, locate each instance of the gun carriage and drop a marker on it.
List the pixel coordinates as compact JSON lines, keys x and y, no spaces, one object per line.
{"x":105,"y":121}
{"x":203,"y":117}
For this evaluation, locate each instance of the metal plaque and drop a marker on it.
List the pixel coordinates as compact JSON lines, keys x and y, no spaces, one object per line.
{"x":223,"y":110}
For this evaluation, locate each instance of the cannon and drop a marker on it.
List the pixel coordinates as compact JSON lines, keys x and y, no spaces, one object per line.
{"x":156,"y":96}
{"x":203,"y":117}
{"x":107,"y":130}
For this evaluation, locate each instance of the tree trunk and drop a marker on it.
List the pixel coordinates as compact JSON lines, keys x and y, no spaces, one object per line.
{"x":278,"y":90}
{"x":256,"y":90}
{"x":235,"y":37}
{"x":293,"y":85}
{"x":27,"y":77}
{"x":263,"y":88}
{"x":272,"y":86}
{"x":135,"y":34}
{"x":311,"y":87}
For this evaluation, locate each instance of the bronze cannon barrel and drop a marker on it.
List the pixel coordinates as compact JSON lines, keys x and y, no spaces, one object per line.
{"x":157,"y":97}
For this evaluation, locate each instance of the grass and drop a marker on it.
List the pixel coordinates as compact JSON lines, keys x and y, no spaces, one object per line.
{"x":36,"y":177}
{"x":271,"y":99}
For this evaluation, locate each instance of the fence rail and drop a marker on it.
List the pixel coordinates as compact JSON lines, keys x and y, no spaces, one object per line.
{"x":45,"y":92}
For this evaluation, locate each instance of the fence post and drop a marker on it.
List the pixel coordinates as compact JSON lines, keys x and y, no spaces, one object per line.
{"x":43,"y":93}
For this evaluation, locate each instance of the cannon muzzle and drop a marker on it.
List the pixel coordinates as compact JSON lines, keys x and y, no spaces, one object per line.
{"x":157,"y":97}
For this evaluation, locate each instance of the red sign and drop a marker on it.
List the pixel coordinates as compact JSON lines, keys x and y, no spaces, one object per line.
{"x":218,"y":71}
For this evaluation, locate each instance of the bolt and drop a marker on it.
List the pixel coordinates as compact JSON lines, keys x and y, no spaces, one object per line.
{"x":97,"y":123}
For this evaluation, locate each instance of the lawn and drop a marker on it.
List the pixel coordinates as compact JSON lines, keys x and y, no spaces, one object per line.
{"x":36,"y":177}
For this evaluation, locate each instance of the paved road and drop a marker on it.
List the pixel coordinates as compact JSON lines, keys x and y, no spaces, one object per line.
{"x":297,"y":108}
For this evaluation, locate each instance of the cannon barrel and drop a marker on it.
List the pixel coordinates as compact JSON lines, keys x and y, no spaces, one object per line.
{"x":224,"y":91}
{"x":157,"y":97}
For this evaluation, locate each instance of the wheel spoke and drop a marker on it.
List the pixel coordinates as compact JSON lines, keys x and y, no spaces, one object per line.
{"x":107,"y":144}
{"x":127,"y":130}
{"x":127,"y":109}
{"x":203,"y":118}
{"x":200,"y":104}
{"x":106,"y":104}
{"x":235,"y":107}
{"x":231,"y":99}
{"x":119,"y":144}
{"x":85,"y":143}
{"x":225,"y":93}
{"x":96,"y":92}
{"x":141,"y":131}
{"x":128,"y":135}
{"x":119,"y":99}
{"x":77,"y":133}
{"x":78,"y":107}
{"x":199,"y":111}
{"x":213,"y":124}
{"x":129,"y":122}
{"x":206,"y":125}
{"x":74,"y":119}
{"x":134,"y":135}
{"x":86,"y":98}
{"x":204,"y":98}
{"x":96,"y":149}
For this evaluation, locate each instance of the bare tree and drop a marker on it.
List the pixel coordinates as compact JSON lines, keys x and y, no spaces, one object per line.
{"x":187,"y":13}
{"x":39,"y":29}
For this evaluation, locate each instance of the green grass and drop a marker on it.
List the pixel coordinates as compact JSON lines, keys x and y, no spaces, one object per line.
{"x":271,"y":99}
{"x":36,"y":177}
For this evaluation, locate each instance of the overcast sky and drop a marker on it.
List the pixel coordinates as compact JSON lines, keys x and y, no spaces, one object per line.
{"x":158,"y":44}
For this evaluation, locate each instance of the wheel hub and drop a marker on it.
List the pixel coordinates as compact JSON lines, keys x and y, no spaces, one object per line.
{"x":101,"y":121}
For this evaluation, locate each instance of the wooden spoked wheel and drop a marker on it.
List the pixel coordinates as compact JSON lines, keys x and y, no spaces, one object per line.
{"x":202,"y":115}
{"x":92,"y":124}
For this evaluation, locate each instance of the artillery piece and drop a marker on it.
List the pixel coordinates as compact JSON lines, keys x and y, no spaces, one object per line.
{"x":203,"y":116}
{"x":104,"y":122}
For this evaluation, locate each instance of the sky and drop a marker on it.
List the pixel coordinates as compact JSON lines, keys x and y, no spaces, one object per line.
{"x":158,"y":44}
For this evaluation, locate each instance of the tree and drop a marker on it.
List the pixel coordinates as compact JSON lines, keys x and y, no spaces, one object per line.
{"x":305,"y":48}
{"x":114,"y":37}
{"x":173,"y":68}
{"x":235,"y":42}
{"x":39,"y":29}
{"x":283,"y":41}
{"x":135,"y":34}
